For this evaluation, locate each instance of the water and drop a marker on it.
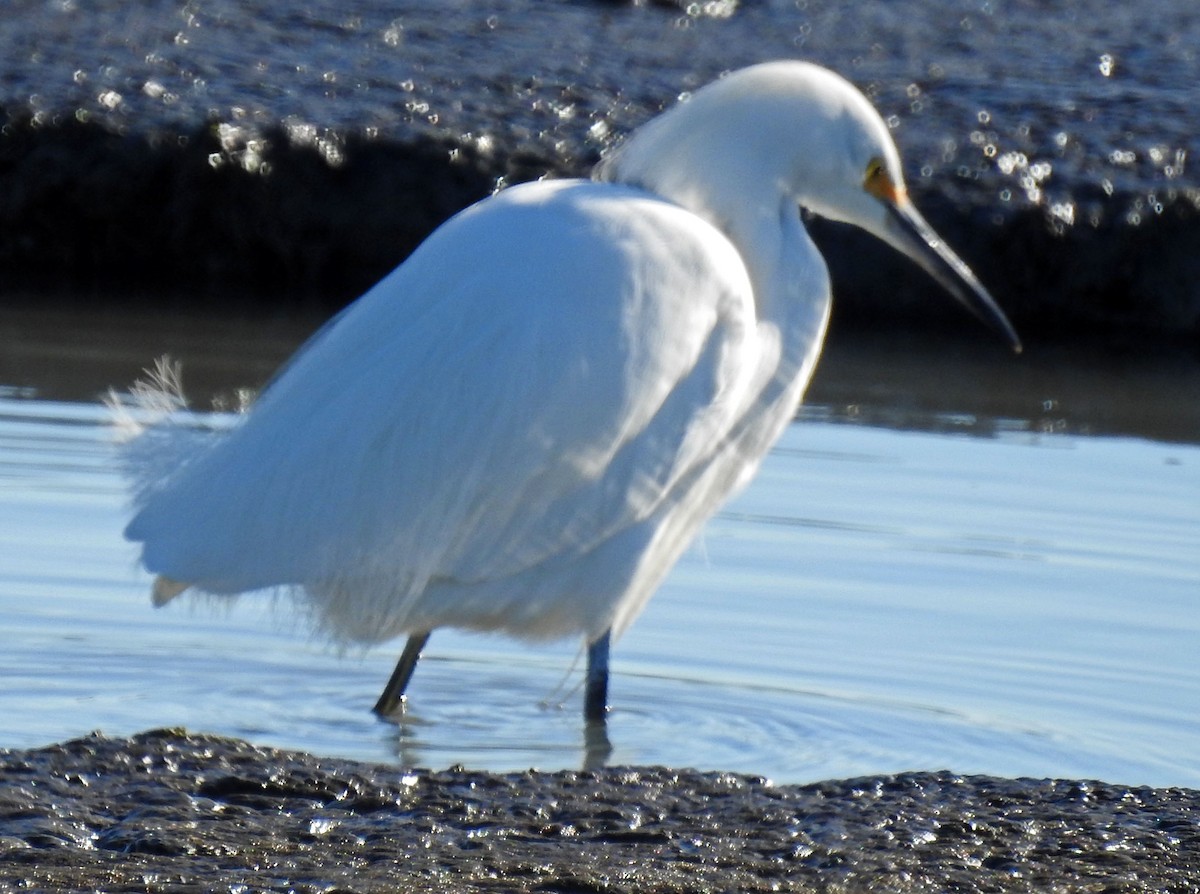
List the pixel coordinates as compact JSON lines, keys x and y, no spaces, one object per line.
{"x":1003,"y":595}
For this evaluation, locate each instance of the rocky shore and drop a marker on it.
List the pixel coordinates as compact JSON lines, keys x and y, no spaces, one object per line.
{"x":172,"y":811}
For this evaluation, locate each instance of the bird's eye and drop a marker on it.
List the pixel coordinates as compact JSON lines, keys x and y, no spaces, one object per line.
{"x":874,"y":169}
{"x":878,"y":182}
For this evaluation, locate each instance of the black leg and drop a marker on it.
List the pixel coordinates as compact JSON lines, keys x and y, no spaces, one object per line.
{"x":595,"y":700}
{"x":393,"y":694}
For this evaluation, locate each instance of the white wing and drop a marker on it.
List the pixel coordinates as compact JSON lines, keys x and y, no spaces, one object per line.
{"x":535,"y":378}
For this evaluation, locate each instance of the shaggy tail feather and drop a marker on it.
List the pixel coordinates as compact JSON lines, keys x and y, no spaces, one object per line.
{"x":156,"y":437}
{"x":155,"y":433}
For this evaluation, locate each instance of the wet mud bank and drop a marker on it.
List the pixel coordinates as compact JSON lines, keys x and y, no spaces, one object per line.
{"x":171,"y":811}
{"x":275,"y":154}
{"x":218,"y":217}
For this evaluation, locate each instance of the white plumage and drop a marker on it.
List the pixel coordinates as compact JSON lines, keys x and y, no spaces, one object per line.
{"x":522,"y":426}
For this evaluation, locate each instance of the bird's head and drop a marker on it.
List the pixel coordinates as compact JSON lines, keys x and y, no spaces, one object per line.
{"x":798,"y":132}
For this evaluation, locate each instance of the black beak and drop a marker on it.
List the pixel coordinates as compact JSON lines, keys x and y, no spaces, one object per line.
{"x":907,"y":231}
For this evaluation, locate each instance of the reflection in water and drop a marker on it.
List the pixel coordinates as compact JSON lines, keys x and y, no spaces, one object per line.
{"x":923,"y":382}
{"x":897,"y":380}
{"x":597,"y":748}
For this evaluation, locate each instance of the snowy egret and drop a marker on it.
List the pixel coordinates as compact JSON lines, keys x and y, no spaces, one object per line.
{"x":523,"y":426}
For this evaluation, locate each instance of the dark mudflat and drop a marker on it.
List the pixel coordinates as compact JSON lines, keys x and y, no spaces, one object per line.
{"x":171,"y":811}
{"x":281,"y":155}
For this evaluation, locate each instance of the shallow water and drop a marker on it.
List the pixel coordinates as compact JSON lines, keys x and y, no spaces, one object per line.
{"x":1005,"y":596}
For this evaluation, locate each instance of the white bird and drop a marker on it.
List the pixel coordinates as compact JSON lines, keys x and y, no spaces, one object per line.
{"x":523,"y":425}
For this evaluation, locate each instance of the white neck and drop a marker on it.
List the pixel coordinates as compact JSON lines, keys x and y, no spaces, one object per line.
{"x":749,"y":194}
{"x":791,"y":285}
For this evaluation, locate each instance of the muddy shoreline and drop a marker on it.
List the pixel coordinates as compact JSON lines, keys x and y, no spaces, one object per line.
{"x":219,"y":154}
{"x":171,"y":811}
{"x":186,"y":220}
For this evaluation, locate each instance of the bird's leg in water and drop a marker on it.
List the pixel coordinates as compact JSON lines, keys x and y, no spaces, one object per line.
{"x":393,"y":693}
{"x":595,"y":699}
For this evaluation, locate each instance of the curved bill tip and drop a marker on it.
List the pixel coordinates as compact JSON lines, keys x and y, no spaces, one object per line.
{"x":908,"y":232}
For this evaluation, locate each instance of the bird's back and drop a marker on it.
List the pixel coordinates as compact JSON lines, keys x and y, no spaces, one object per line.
{"x":547,"y":373}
